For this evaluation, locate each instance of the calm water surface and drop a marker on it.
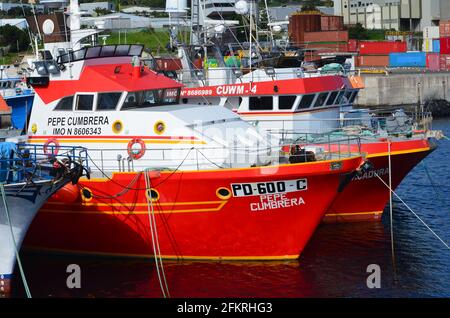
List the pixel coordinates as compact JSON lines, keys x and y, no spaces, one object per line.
{"x":333,"y":265}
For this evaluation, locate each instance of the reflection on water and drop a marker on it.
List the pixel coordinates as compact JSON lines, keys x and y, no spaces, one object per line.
{"x":333,"y":264}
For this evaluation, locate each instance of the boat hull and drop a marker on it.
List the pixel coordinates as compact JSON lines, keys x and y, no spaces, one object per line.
{"x":365,"y":198}
{"x":23,"y":202}
{"x":194,"y":220}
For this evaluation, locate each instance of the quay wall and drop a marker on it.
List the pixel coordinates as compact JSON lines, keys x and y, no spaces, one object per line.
{"x":403,"y":89}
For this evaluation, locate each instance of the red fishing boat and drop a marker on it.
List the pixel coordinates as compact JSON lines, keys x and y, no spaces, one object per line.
{"x":286,"y":101}
{"x":172,"y":179}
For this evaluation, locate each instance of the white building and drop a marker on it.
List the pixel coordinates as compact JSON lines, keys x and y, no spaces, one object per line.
{"x":91,"y":6}
{"x":19,"y":23}
{"x":404,"y":15}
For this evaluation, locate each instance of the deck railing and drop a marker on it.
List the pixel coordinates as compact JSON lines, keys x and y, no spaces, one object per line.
{"x":323,"y":147}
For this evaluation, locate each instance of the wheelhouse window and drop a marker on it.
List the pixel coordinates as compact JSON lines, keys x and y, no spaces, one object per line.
{"x":321,"y":99}
{"x":347,"y":95}
{"x":84,"y":102}
{"x":261,"y":103}
{"x":108,"y":101}
{"x":353,"y":97}
{"x":340,"y":98}
{"x":286,"y":102}
{"x":332,"y":98}
{"x":306,"y":101}
{"x":65,"y":103}
{"x":150,"y":98}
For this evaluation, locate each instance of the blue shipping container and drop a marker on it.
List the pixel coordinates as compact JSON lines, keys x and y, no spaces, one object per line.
{"x":410,"y":59}
{"x":436,"y":46}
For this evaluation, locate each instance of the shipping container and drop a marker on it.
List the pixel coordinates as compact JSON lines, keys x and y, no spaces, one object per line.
{"x":372,"y":60}
{"x":427,"y":45}
{"x":444,"y":45}
{"x":436,"y":45}
{"x":331,"y":23}
{"x":409,"y":59}
{"x":168,"y":64}
{"x":353,"y":45}
{"x":431,"y":45}
{"x":444,"y":29}
{"x":444,"y":64}
{"x":382,"y":47}
{"x":433,"y":61}
{"x":431,"y":32}
{"x":300,"y":23}
{"x":326,"y":36}
{"x":327,"y":47}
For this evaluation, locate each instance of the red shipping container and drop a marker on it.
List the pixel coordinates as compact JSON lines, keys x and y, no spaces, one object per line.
{"x":433,"y":61}
{"x":373,"y":60}
{"x":445,"y":45}
{"x":444,"y":62}
{"x":328,"y":47}
{"x":332,"y":23}
{"x":326,"y":36}
{"x":444,"y":29}
{"x":353,"y":45}
{"x":382,"y":47}
{"x":300,"y":23}
{"x":168,"y":64}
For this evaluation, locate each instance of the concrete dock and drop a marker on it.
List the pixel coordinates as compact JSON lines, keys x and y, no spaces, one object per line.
{"x":403,"y":88}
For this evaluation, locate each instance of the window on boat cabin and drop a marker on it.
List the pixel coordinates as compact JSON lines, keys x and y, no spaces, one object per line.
{"x":150,"y":98}
{"x":84,"y":102}
{"x":65,"y":103}
{"x":286,"y":102}
{"x":340,"y":97}
{"x":347,"y":96}
{"x":321,"y":99}
{"x":108,"y":101}
{"x":306,"y":101}
{"x":332,"y":98}
{"x":261,"y":103}
{"x":353,"y":97}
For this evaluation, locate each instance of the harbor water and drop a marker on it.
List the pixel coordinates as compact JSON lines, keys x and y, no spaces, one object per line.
{"x":334,"y":264}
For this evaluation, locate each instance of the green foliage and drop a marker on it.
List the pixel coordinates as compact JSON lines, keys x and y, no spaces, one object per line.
{"x":101,"y":11}
{"x":15,"y":37}
{"x":358,"y":32}
{"x":154,"y":40}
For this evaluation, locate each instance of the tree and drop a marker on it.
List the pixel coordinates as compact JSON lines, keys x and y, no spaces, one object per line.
{"x":15,"y":37}
{"x":310,"y":5}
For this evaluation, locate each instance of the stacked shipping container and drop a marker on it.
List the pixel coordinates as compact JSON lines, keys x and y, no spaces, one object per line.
{"x":376,"y":53}
{"x":444,"y":35}
{"x":321,"y":33}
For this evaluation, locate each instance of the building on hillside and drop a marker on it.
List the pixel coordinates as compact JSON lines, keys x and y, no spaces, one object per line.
{"x":90,"y":7}
{"x":401,"y":15}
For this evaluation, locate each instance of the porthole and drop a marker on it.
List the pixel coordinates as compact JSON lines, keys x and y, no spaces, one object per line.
{"x":223,"y":193}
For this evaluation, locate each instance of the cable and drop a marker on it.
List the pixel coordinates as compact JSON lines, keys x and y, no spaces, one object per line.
{"x":414,"y":213}
{"x":155,"y":240}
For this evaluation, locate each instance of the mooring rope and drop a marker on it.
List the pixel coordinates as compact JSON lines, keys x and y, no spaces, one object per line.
{"x":155,"y":241}
{"x":414,"y":213}
{"x":19,"y":263}
{"x":391,"y":219}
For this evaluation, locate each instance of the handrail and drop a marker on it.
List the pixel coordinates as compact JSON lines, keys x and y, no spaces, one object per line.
{"x":201,"y":158}
{"x":31,"y":160}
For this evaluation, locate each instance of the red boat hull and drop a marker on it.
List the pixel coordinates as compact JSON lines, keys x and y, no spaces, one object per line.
{"x":366,"y":196}
{"x":194,"y":220}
